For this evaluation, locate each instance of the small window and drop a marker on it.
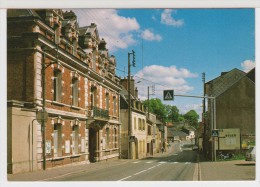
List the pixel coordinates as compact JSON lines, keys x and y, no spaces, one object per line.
{"x":94,"y":59}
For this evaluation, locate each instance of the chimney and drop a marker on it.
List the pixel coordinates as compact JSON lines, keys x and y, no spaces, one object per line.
{"x":136,"y":92}
{"x":124,"y":83}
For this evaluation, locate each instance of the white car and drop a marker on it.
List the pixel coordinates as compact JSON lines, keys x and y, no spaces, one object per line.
{"x":250,"y":154}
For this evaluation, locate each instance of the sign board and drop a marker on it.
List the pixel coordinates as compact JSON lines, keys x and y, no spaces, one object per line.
{"x":215,"y":133}
{"x":48,"y":147}
{"x":168,"y":95}
{"x":42,"y":116}
{"x":132,"y":139}
{"x":229,"y":139}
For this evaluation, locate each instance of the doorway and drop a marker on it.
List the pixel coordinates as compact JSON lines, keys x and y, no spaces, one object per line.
{"x":92,"y":144}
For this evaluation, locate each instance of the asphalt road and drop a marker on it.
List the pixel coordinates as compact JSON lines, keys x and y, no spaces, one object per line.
{"x":179,"y":165}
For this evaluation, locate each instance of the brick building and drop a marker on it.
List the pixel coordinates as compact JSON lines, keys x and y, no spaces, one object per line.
{"x":82,"y":91}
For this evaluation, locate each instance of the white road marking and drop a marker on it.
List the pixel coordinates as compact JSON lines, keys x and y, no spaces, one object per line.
{"x":187,"y":163}
{"x":162,"y":162}
{"x":125,"y":178}
{"x":149,"y":162}
{"x":140,"y":172}
{"x":136,"y":162}
{"x":175,"y":162}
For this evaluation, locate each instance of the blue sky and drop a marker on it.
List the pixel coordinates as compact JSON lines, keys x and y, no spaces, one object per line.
{"x":174,"y":46}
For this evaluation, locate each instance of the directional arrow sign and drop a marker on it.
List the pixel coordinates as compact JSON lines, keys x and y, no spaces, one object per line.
{"x":168,"y":95}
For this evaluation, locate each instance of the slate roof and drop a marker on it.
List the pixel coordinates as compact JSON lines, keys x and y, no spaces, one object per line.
{"x":171,"y":133}
{"x":222,"y":83}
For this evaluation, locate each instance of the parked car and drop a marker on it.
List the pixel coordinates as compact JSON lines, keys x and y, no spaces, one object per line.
{"x":195,"y":148}
{"x":250,"y":154}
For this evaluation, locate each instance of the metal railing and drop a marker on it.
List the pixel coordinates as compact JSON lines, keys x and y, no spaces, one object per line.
{"x":99,"y":112}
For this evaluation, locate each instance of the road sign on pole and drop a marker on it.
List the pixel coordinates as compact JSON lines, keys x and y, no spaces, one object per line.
{"x":42,"y":116}
{"x":168,"y":95}
{"x":215,"y":133}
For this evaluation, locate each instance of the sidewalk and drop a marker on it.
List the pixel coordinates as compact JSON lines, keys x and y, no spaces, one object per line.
{"x":235,"y":170}
{"x":70,"y":169}
{"x":58,"y":171}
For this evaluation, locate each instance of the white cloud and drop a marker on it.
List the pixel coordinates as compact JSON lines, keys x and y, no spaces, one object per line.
{"x":115,"y":29}
{"x":163,"y":78}
{"x":247,"y":65}
{"x":166,"y":18}
{"x":150,"y":36}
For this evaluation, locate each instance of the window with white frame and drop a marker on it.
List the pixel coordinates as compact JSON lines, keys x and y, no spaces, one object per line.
{"x":57,"y":140}
{"x":115,"y":138}
{"x":75,"y":139}
{"x":57,"y":85}
{"x":93,"y":96}
{"x":107,"y":101}
{"x":114,"y":104}
{"x":75,"y":91}
{"x":107,"y":138}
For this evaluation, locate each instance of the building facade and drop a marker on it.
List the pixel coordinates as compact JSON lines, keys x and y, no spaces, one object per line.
{"x":135,"y":148}
{"x":81,"y":91}
{"x":234,"y":93}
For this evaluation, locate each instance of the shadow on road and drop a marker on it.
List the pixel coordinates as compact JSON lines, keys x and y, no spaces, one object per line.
{"x":246,"y":164}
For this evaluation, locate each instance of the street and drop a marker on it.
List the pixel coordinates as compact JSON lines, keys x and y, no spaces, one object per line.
{"x":176,"y":166}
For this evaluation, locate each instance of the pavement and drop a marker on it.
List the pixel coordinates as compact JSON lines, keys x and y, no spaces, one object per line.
{"x":236,"y":170}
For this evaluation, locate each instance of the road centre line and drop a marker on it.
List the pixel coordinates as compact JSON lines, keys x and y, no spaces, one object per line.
{"x":140,"y":172}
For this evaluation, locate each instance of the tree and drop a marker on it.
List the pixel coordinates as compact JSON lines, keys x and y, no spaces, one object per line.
{"x":157,"y":107}
{"x":192,"y":117}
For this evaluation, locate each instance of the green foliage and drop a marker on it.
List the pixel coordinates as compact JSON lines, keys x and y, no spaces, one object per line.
{"x":157,"y":107}
{"x":192,"y":117}
{"x":168,"y":113}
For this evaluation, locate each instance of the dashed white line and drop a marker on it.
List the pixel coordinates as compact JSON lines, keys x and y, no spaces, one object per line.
{"x":187,"y":163}
{"x":136,"y":162}
{"x":140,"y":172}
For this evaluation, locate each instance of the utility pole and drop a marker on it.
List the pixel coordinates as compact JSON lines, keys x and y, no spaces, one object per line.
{"x":148,"y":103}
{"x":130,"y":133}
{"x":203,"y":115}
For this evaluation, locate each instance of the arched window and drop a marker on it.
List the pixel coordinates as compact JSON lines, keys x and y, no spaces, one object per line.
{"x":57,"y":84}
{"x":75,"y":91}
{"x":139,"y":124}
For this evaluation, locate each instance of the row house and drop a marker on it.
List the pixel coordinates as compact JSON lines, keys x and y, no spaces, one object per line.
{"x":133,"y":135}
{"x":81,"y":97}
{"x":151,"y":134}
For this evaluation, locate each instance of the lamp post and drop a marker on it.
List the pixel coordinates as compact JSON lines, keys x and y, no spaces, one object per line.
{"x":43,"y":121}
